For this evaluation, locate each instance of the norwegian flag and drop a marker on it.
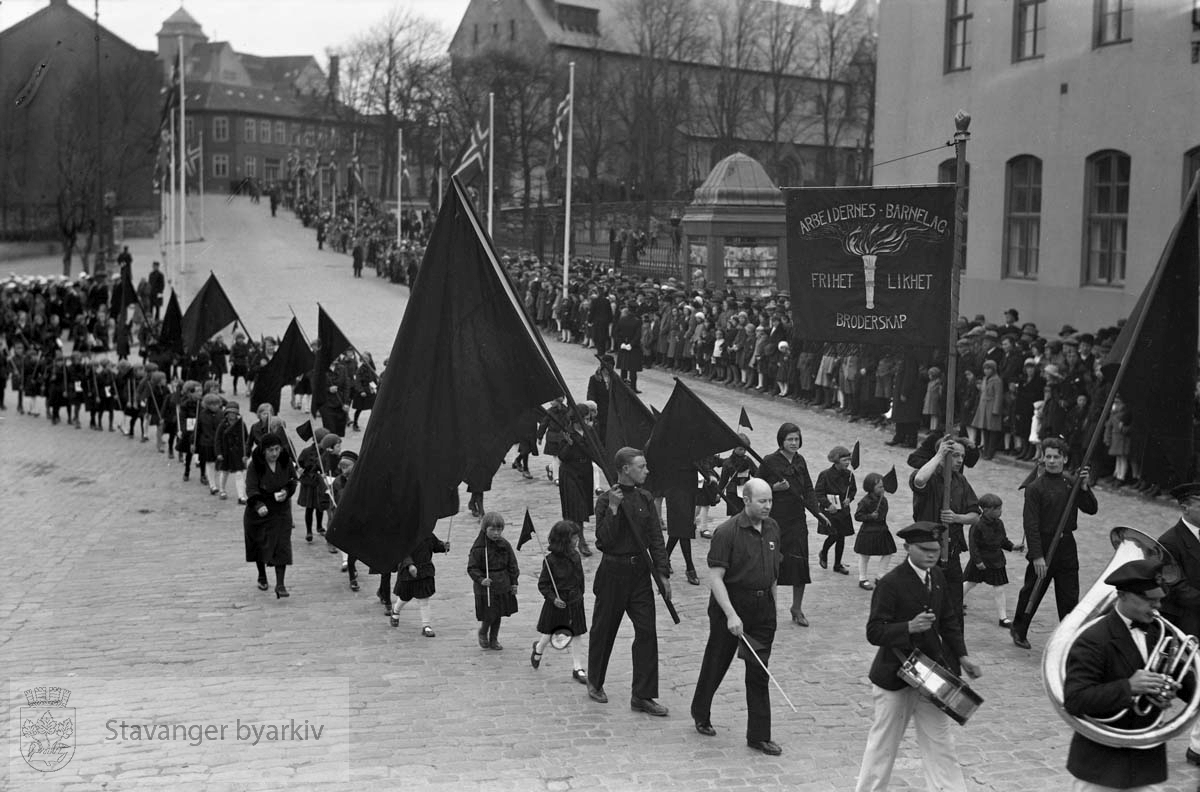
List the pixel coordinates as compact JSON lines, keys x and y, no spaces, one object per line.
{"x":474,"y":158}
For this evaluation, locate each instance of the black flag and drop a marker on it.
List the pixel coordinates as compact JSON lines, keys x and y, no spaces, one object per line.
{"x":209,"y":312}
{"x":890,"y":485}
{"x":629,"y":420}
{"x":464,"y":369}
{"x":854,"y":455}
{"x":744,"y":420}
{"x":686,"y":432}
{"x":526,"y":530}
{"x":331,"y":343}
{"x":291,"y":359}
{"x":1159,"y":381}
{"x":170,"y":336}
{"x":305,"y":431}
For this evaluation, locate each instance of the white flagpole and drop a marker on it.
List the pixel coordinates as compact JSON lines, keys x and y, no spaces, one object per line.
{"x":491,"y":158}
{"x":200,"y":171}
{"x":567,"y":202}
{"x":171,"y":207}
{"x":399,"y":181}
{"x":182,"y":166}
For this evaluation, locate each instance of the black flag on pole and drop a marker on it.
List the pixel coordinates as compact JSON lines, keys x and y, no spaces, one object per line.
{"x":463,"y":370}
{"x":744,"y":420}
{"x":170,"y":335}
{"x":1159,"y":383}
{"x":331,"y":344}
{"x":687,"y":431}
{"x":526,"y":530}
{"x":630,"y":421}
{"x":291,"y":359}
{"x":209,"y":312}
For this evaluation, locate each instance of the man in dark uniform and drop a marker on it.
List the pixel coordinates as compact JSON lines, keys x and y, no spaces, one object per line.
{"x":1182,"y":604}
{"x":928,"y":485}
{"x":600,"y":317}
{"x":1106,"y":674}
{"x":1045,"y":500}
{"x":626,"y":525}
{"x":911,"y":609}
{"x":744,"y":561}
{"x":627,"y":336}
{"x":158,"y":285}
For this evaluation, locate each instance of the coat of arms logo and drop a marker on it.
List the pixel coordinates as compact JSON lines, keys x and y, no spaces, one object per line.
{"x":47,"y":729}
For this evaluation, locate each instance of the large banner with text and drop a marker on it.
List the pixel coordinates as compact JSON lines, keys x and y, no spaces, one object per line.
{"x":871,"y":265}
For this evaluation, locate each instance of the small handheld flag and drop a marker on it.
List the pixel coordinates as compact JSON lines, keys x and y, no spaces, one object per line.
{"x":890,"y":485}
{"x":305,"y":431}
{"x":854,"y":455}
{"x":744,"y":420}
{"x":526,"y":530}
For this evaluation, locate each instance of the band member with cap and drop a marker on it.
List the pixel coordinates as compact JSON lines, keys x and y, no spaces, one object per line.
{"x":912,"y":608}
{"x":744,"y":560}
{"x":1045,"y":500}
{"x":1106,"y":674}
{"x":627,"y":525}
{"x":1181,"y":606}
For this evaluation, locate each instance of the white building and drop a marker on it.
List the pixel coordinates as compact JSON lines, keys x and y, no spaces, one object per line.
{"x":1084,"y":138}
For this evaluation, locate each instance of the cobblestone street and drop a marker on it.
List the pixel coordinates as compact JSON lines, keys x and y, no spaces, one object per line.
{"x":117,"y":570}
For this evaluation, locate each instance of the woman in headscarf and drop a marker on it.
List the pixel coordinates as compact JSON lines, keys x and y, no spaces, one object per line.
{"x":267,"y":522}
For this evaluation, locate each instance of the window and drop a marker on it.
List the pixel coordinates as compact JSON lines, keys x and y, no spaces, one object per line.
{"x":512,"y":30}
{"x":249,"y":130}
{"x":1029,"y":29}
{"x":495,"y":30}
{"x":475,"y":35}
{"x":1107,"y":217}
{"x":220,"y":166}
{"x":220,"y":129}
{"x":250,"y":167}
{"x":280,"y":133}
{"x":1114,"y":21}
{"x":1022,"y":217}
{"x":958,"y":17}
{"x":946,"y":175}
{"x":1191,"y":165}
{"x":264,"y":131}
{"x":271,"y":170}
{"x":189,"y":128}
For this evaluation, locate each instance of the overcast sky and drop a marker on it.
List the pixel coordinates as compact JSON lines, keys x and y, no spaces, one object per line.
{"x":257,"y":27}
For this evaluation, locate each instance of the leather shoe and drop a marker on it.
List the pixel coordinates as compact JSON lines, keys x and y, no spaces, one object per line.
{"x":597,"y":694}
{"x":648,"y":706}
{"x":1193,"y":757}
{"x":1021,"y":641}
{"x":766,"y":746}
{"x":705,"y":728}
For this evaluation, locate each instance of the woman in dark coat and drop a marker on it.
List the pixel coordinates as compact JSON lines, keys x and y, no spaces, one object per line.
{"x":787,"y":473}
{"x":1029,"y":392}
{"x":835,"y":490}
{"x":267,"y":523}
{"x":575,"y":479}
{"x":681,"y":524}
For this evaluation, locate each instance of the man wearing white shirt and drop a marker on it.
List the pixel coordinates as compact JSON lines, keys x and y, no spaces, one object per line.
{"x":1181,"y":606}
{"x":1106,"y":674}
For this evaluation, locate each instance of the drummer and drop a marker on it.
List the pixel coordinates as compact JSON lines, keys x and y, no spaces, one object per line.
{"x":911,"y":609}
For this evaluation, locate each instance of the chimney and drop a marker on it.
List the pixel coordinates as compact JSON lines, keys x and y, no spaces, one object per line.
{"x":334,"y":64}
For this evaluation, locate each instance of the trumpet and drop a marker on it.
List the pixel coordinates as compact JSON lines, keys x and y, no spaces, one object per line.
{"x":1175,"y":655}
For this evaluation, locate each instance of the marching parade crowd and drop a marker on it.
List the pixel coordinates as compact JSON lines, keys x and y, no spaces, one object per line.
{"x":75,"y":346}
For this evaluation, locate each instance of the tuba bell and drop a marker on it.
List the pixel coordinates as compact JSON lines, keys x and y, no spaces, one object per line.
{"x":1176,"y":654}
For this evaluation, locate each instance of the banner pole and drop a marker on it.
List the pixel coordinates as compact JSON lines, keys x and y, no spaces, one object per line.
{"x":962,"y":122}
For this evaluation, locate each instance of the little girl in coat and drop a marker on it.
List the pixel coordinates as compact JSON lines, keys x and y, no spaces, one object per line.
{"x":874,"y":538}
{"x":492,"y":566}
{"x":987,"y":544}
{"x":561,"y":584}
{"x":415,"y":580}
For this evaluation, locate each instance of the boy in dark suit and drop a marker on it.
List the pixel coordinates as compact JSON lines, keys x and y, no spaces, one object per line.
{"x":913,"y":609}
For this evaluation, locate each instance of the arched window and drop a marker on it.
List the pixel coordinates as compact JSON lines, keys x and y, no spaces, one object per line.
{"x":1107,"y":218}
{"x":1022,"y":216}
{"x":946,"y":175}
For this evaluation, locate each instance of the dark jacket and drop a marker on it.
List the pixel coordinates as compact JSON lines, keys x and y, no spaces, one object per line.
{"x":421,"y":557}
{"x":899,"y":596}
{"x":1182,"y":605}
{"x":988,"y":543}
{"x":635,"y":526}
{"x":500,"y":566}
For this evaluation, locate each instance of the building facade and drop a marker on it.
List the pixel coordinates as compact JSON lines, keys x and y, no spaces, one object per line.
{"x":77,"y":144}
{"x":721,"y":92}
{"x":1085,"y":135}
{"x":254,"y":122}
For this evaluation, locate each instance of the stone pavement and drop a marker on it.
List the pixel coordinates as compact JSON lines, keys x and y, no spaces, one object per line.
{"x":119,"y":571}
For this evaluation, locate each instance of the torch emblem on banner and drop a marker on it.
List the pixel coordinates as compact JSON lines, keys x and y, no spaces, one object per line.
{"x":872,"y":240}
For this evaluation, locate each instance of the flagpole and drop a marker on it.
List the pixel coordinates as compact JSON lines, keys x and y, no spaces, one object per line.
{"x":962,"y":121}
{"x":399,"y":180}
{"x":567,"y":202}
{"x":439,"y":167}
{"x":200,"y":172}
{"x":491,"y":157}
{"x":182,"y":164}
{"x":171,"y":207}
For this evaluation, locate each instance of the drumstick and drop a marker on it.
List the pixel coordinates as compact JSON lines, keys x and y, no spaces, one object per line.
{"x":769,"y":674}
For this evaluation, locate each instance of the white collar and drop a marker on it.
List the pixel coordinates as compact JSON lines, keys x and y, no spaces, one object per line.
{"x":921,"y":573}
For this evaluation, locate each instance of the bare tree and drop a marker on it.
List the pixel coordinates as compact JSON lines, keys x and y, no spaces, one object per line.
{"x":597,"y":86}
{"x":785,"y":29}
{"x":836,"y":41}
{"x":728,"y":87}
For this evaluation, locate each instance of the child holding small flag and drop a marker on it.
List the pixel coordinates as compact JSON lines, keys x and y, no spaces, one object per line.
{"x":415,"y":580}
{"x":562,"y":584}
{"x":492,"y":566}
{"x":874,"y":538}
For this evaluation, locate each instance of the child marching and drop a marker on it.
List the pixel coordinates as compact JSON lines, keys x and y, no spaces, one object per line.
{"x":493,"y":568}
{"x":561,"y":584}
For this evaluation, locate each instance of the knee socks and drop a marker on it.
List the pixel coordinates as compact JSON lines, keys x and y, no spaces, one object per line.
{"x":426,"y":612}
